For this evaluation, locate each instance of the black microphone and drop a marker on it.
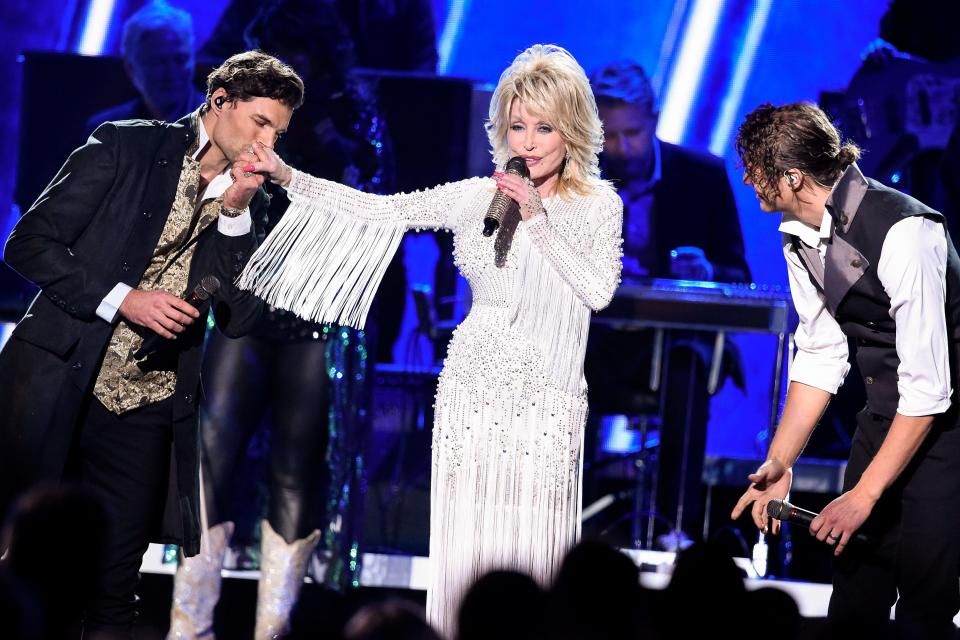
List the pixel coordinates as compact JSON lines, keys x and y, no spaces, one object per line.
{"x":197,"y":299}
{"x":786,"y":512}
{"x":501,"y":201}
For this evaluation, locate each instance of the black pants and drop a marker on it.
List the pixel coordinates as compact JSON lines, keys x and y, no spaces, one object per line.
{"x":125,"y":462}
{"x":915,"y":532}
{"x":244,"y":380}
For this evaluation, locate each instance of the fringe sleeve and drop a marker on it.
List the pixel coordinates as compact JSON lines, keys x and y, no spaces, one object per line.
{"x":557,"y":285}
{"x":326,"y":257}
{"x":426,"y":209}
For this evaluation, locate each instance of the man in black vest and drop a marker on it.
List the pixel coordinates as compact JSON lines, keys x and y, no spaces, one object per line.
{"x":131,"y":223}
{"x":875,"y":265}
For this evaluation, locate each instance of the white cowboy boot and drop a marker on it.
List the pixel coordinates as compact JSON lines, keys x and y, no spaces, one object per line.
{"x":282,"y":567}
{"x":196,"y":587}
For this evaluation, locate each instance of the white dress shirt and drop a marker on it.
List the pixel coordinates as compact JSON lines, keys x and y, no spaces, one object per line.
{"x":912,"y":269}
{"x":236,"y":226}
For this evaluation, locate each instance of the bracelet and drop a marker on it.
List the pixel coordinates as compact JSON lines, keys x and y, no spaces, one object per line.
{"x":230,"y":212}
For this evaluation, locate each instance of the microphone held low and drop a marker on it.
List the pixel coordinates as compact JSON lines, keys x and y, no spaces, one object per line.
{"x":198,"y":298}
{"x":785,"y":512}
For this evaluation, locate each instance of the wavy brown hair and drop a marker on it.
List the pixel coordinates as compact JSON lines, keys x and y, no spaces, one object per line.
{"x":773,"y":140}
{"x":254,"y":74}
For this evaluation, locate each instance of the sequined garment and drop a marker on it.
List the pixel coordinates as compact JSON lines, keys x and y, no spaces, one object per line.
{"x":511,"y":399}
{"x":124,"y":383}
{"x":349,"y":428}
{"x":196,"y":589}
{"x":282,"y":567}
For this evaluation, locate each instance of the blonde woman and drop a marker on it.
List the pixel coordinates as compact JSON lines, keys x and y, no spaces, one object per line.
{"x":511,"y":401}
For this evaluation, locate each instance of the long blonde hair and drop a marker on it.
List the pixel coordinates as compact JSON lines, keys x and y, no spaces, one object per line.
{"x":551,"y":85}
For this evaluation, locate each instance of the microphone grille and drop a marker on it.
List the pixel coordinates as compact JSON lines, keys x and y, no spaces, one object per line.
{"x":208,"y":286}
{"x":518,"y":165}
{"x":775,"y":509}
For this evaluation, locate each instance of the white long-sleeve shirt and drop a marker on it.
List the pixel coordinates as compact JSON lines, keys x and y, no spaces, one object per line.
{"x":912,"y":269}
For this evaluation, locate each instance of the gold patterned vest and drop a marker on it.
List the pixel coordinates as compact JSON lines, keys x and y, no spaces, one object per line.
{"x":124,"y":383}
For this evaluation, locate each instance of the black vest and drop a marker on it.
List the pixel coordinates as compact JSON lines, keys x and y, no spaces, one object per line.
{"x":864,"y":211}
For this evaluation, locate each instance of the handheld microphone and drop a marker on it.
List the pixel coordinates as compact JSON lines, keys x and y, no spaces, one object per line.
{"x":197,"y":299}
{"x":501,"y":201}
{"x":786,"y":512}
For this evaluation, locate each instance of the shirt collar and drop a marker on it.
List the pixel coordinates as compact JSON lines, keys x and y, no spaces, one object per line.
{"x":847,"y":194}
{"x":219,"y":184}
{"x":792,"y":225}
{"x":844,"y":200}
{"x":202,"y":137}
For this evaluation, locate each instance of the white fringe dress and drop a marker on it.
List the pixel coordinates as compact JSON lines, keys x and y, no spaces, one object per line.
{"x":511,"y":400}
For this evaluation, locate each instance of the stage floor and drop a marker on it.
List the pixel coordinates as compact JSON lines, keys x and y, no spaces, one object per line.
{"x":406,"y":577}
{"x":405,"y":572}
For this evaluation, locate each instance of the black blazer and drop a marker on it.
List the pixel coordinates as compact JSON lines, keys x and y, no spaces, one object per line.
{"x":693,"y":205}
{"x":95,"y":225}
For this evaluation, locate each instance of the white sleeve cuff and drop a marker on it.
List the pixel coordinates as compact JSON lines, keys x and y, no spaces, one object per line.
{"x":111,"y":304}
{"x":236,"y":226}
{"x":826,"y":374}
{"x":297,"y":186}
{"x":914,"y":402}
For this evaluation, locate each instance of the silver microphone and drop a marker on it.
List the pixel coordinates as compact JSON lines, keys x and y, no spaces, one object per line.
{"x":501,"y":201}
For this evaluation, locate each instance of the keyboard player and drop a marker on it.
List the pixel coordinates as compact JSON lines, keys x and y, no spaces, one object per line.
{"x":680,"y":221}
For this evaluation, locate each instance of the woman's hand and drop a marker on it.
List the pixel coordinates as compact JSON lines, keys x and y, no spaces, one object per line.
{"x":245,"y":182}
{"x":269,"y":164}
{"x":522,"y":191}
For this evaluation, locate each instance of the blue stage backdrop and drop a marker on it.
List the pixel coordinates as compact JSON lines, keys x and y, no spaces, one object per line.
{"x":711,"y":61}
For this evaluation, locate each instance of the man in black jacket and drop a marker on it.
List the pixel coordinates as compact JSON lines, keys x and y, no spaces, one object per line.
{"x":677,"y":198}
{"x":130,"y":224}
{"x":680,"y":221}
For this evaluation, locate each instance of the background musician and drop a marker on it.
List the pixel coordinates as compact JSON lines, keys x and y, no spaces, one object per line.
{"x":680,"y":221}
